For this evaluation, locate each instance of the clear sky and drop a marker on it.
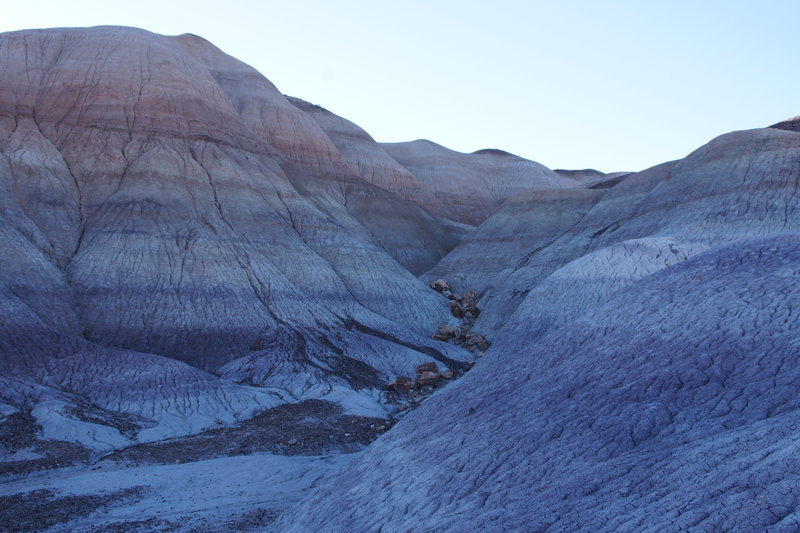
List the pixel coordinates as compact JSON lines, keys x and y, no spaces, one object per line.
{"x":614,"y":85}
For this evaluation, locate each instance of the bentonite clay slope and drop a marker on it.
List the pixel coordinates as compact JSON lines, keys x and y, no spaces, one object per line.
{"x":415,"y":232}
{"x":527,"y":221}
{"x":472,"y":186}
{"x":146,"y":181}
{"x":740,"y":184}
{"x":160,"y":196}
{"x":365,"y":156}
{"x":593,"y":179}
{"x":673,"y":407}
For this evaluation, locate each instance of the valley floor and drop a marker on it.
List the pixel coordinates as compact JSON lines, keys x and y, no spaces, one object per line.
{"x":217,"y":495}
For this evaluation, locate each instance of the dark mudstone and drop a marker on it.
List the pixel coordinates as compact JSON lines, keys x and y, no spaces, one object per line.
{"x":793,"y":124}
{"x":312,"y":427}
{"x":41,"y":509}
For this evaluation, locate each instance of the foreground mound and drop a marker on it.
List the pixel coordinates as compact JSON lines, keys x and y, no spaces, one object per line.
{"x":672,"y":406}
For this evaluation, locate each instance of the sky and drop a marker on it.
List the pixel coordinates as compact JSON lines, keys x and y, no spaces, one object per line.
{"x":613,"y":85}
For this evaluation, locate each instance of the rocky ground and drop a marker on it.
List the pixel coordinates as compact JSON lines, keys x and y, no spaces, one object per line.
{"x":19,"y":431}
{"x":240,"y":493}
{"x":40,"y":510}
{"x":312,"y":427}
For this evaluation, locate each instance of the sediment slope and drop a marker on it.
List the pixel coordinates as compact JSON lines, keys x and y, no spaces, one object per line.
{"x":739,"y":185}
{"x":673,"y":406}
{"x":163,"y":201}
{"x":472,"y":186}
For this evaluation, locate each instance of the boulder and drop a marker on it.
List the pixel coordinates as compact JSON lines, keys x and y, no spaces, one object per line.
{"x":401,"y":383}
{"x":468,"y":299}
{"x":463,"y":333}
{"x":476,"y":340}
{"x":428,"y":378}
{"x":446,"y":331}
{"x":468,"y":305}
{"x":440,"y":285}
{"x":427,"y":367}
{"x":450,"y":295}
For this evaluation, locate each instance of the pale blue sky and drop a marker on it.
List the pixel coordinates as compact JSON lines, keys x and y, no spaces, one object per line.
{"x":614,"y":85}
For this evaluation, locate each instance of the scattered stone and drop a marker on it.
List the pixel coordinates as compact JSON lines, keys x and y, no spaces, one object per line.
{"x":427,"y":367}
{"x":468,"y":304}
{"x":450,"y":295}
{"x":472,"y":311}
{"x":39,"y":510}
{"x":466,"y":309}
{"x":401,"y":383}
{"x":476,"y":340}
{"x":446,"y":331}
{"x":316,"y":427}
{"x":249,"y":521}
{"x":440,"y":285}
{"x":428,"y":378}
{"x":468,"y":299}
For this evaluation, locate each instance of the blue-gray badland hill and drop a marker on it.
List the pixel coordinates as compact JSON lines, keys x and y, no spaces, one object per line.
{"x":199,"y":270}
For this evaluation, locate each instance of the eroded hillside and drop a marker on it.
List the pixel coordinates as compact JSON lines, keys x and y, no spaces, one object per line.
{"x":207,"y":282}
